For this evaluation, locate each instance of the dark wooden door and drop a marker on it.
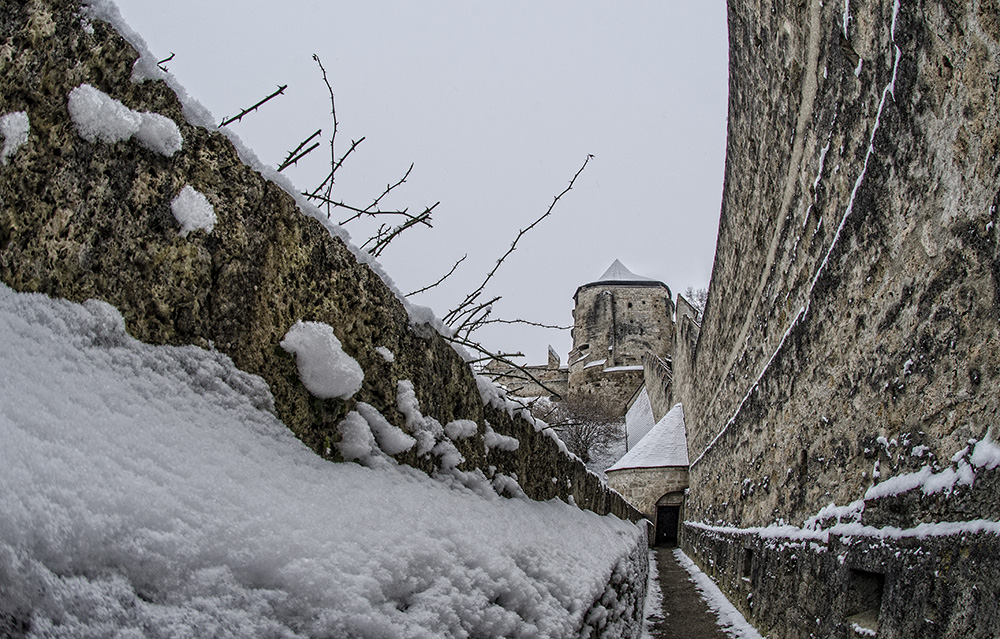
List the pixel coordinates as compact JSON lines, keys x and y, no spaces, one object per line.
{"x":667,"y":519}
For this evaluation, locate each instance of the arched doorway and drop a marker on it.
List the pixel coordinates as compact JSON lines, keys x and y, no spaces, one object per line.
{"x":668,"y":518}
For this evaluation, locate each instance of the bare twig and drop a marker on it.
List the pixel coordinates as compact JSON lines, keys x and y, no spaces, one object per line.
{"x":498,"y":357}
{"x":470,"y":299}
{"x":527,"y":323}
{"x":295,"y":156}
{"x":164,"y":61}
{"x":492,"y":357}
{"x":381,"y":240}
{"x":328,"y":180}
{"x":423,"y":219}
{"x":247,"y":111}
{"x":333,"y":137}
{"x":372,"y":209}
{"x":437,"y":283}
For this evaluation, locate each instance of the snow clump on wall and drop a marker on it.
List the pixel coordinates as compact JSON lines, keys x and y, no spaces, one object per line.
{"x":193,"y":211}
{"x":324,"y":368}
{"x":100,"y":118}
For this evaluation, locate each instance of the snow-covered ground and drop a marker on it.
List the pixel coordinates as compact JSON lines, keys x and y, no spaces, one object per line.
{"x":149,"y":491}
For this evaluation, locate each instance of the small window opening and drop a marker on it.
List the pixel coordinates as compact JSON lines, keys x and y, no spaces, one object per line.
{"x":747,"y":562}
{"x":864,"y":601}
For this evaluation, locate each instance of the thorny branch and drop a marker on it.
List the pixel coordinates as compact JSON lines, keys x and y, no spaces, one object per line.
{"x":294,"y":156}
{"x":164,"y":61}
{"x":525,"y":322}
{"x":323,"y":194}
{"x":372,"y":209}
{"x":443,"y":278}
{"x":238,"y":117}
{"x":470,"y":314}
{"x":328,"y":182}
{"x":501,"y":358}
{"x":382,"y":238}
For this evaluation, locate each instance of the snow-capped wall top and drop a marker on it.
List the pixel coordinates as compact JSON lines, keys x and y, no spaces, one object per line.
{"x":664,"y":445}
{"x":617,"y":272}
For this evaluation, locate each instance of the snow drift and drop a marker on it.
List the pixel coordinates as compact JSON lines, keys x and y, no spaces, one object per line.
{"x":149,"y":491}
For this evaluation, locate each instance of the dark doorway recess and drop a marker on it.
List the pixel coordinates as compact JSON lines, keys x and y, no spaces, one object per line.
{"x":667,"y":519}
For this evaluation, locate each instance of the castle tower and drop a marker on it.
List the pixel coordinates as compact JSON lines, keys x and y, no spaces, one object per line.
{"x":616,"y":321}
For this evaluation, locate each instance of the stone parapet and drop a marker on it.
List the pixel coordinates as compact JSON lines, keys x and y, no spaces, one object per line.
{"x":82,"y":219}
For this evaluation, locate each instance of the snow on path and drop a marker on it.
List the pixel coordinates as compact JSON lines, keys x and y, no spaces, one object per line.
{"x":149,"y":491}
{"x":654,"y":597}
{"x":730,"y":619}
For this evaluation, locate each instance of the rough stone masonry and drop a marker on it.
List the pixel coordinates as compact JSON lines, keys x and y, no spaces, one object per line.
{"x":842,"y":398}
{"x":84,"y":219}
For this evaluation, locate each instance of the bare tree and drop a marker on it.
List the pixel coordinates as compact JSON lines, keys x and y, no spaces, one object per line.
{"x":588,"y":425}
{"x":697,"y":298}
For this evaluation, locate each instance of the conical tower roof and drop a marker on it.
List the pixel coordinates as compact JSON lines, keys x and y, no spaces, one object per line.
{"x":618,"y":272}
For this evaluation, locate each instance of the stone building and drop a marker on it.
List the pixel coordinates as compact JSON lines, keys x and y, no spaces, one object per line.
{"x":617,"y":320}
{"x":653,"y":475}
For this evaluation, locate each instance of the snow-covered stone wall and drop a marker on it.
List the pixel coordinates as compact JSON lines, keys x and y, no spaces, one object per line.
{"x":851,"y":341}
{"x":124,"y":192}
{"x":118,"y":187}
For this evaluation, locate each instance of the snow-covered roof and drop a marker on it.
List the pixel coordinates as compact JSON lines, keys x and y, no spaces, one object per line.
{"x":617,"y":272}
{"x":639,"y":418}
{"x":664,"y":445}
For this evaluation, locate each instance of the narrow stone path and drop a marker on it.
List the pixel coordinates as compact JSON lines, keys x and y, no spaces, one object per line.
{"x":683,"y":614}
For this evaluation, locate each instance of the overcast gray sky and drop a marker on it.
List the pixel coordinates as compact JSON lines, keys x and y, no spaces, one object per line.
{"x":497,"y":105}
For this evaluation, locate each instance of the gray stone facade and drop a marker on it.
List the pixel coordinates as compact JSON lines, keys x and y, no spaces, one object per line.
{"x":617,"y":321}
{"x":644,"y":487}
{"x":849,"y":351}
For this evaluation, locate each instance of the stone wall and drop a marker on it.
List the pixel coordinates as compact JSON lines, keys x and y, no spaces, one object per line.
{"x":620,"y":612}
{"x":683,"y":360}
{"x":614,"y":325}
{"x":850,"y":343}
{"x":86,"y":219}
{"x":658,"y":377}
{"x":530,"y":381}
{"x":643,"y":487}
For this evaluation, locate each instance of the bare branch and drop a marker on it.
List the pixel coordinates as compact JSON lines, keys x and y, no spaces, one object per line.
{"x":493,"y":357}
{"x":333,"y":136}
{"x":390,"y":187}
{"x":328,"y":180}
{"x":164,"y":61}
{"x":293,"y":158}
{"x":502,"y":359}
{"x":527,"y":323}
{"x":470,"y":299}
{"x":247,"y":111}
{"x":381,"y":240}
{"x":437,"y":283}
{"x":372,"y":209}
